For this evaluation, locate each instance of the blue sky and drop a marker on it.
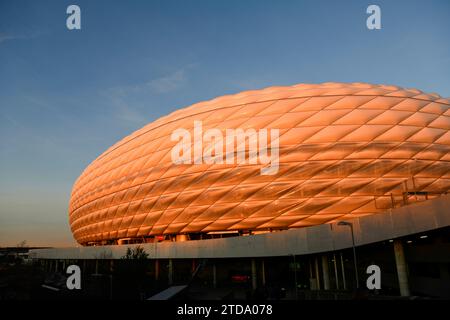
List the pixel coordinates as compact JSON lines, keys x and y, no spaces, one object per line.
{"x":66,"y":96}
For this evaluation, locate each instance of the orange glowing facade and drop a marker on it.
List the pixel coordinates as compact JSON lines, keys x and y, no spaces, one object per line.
{"x":345,"y":150}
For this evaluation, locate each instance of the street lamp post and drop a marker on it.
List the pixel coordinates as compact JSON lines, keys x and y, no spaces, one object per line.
{"x":349,"y":224}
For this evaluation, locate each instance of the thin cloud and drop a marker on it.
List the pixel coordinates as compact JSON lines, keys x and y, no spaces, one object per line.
{"x":168,"y":83}
{"x":4,"y":37}
{"x":7,"y":37}
{"x":165,"y":84}
{"x":129,"y":114}
{"x":123,"y":98}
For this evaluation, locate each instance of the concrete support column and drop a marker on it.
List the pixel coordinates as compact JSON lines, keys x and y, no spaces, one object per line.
{"x":84,"y":266}
{"x":400,"y":262}
{"x":56,"y":265}
{"x":170,"y":272}
{"x":254,"y":283}
{"x":343,"y":272}
{"x":316,"y":263}
{"x":325,"y":273}
{"x":263,"y":273}
{"x":194,"y":265}
{"x":311,"y":277}
{"x":156,"y":269}
{"x":214,"y":276}
{"x":336,"y":276}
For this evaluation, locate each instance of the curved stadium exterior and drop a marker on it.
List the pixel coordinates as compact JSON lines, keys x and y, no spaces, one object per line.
{"x":345,"y":151}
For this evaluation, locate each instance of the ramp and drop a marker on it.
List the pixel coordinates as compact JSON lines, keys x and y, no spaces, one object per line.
{"x":168,"y":293}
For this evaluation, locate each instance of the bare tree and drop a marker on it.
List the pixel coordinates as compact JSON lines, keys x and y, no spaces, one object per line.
{"x":22,"y":244}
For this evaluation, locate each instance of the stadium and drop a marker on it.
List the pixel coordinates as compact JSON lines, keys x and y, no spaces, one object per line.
{"x":300,"y":187}
{"x":344,"y":151}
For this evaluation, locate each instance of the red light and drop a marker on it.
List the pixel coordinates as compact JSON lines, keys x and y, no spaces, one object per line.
{"x":240,"y":278}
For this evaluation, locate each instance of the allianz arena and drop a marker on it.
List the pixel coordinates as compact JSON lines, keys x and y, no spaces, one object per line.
{"x":344,"y":150}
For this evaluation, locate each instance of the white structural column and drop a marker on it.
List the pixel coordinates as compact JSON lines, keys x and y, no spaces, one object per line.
{"x":343,"y":272}
{"x":156,"y":269}
{"x":214,"y":275}
{"x":400,"y":262}
{"x":170,"y":272}
{"x":336,"y":276}
{"x":263,"y":273}
{"x":316,"y":263}
{"x":253,"y":274}
{"x":326,"y":273}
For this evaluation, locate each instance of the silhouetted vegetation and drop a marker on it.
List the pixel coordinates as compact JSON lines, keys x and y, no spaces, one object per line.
{"x":130,"y":271}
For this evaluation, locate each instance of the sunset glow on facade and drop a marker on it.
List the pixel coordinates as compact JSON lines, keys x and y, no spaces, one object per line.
{"x":343,"y":151}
